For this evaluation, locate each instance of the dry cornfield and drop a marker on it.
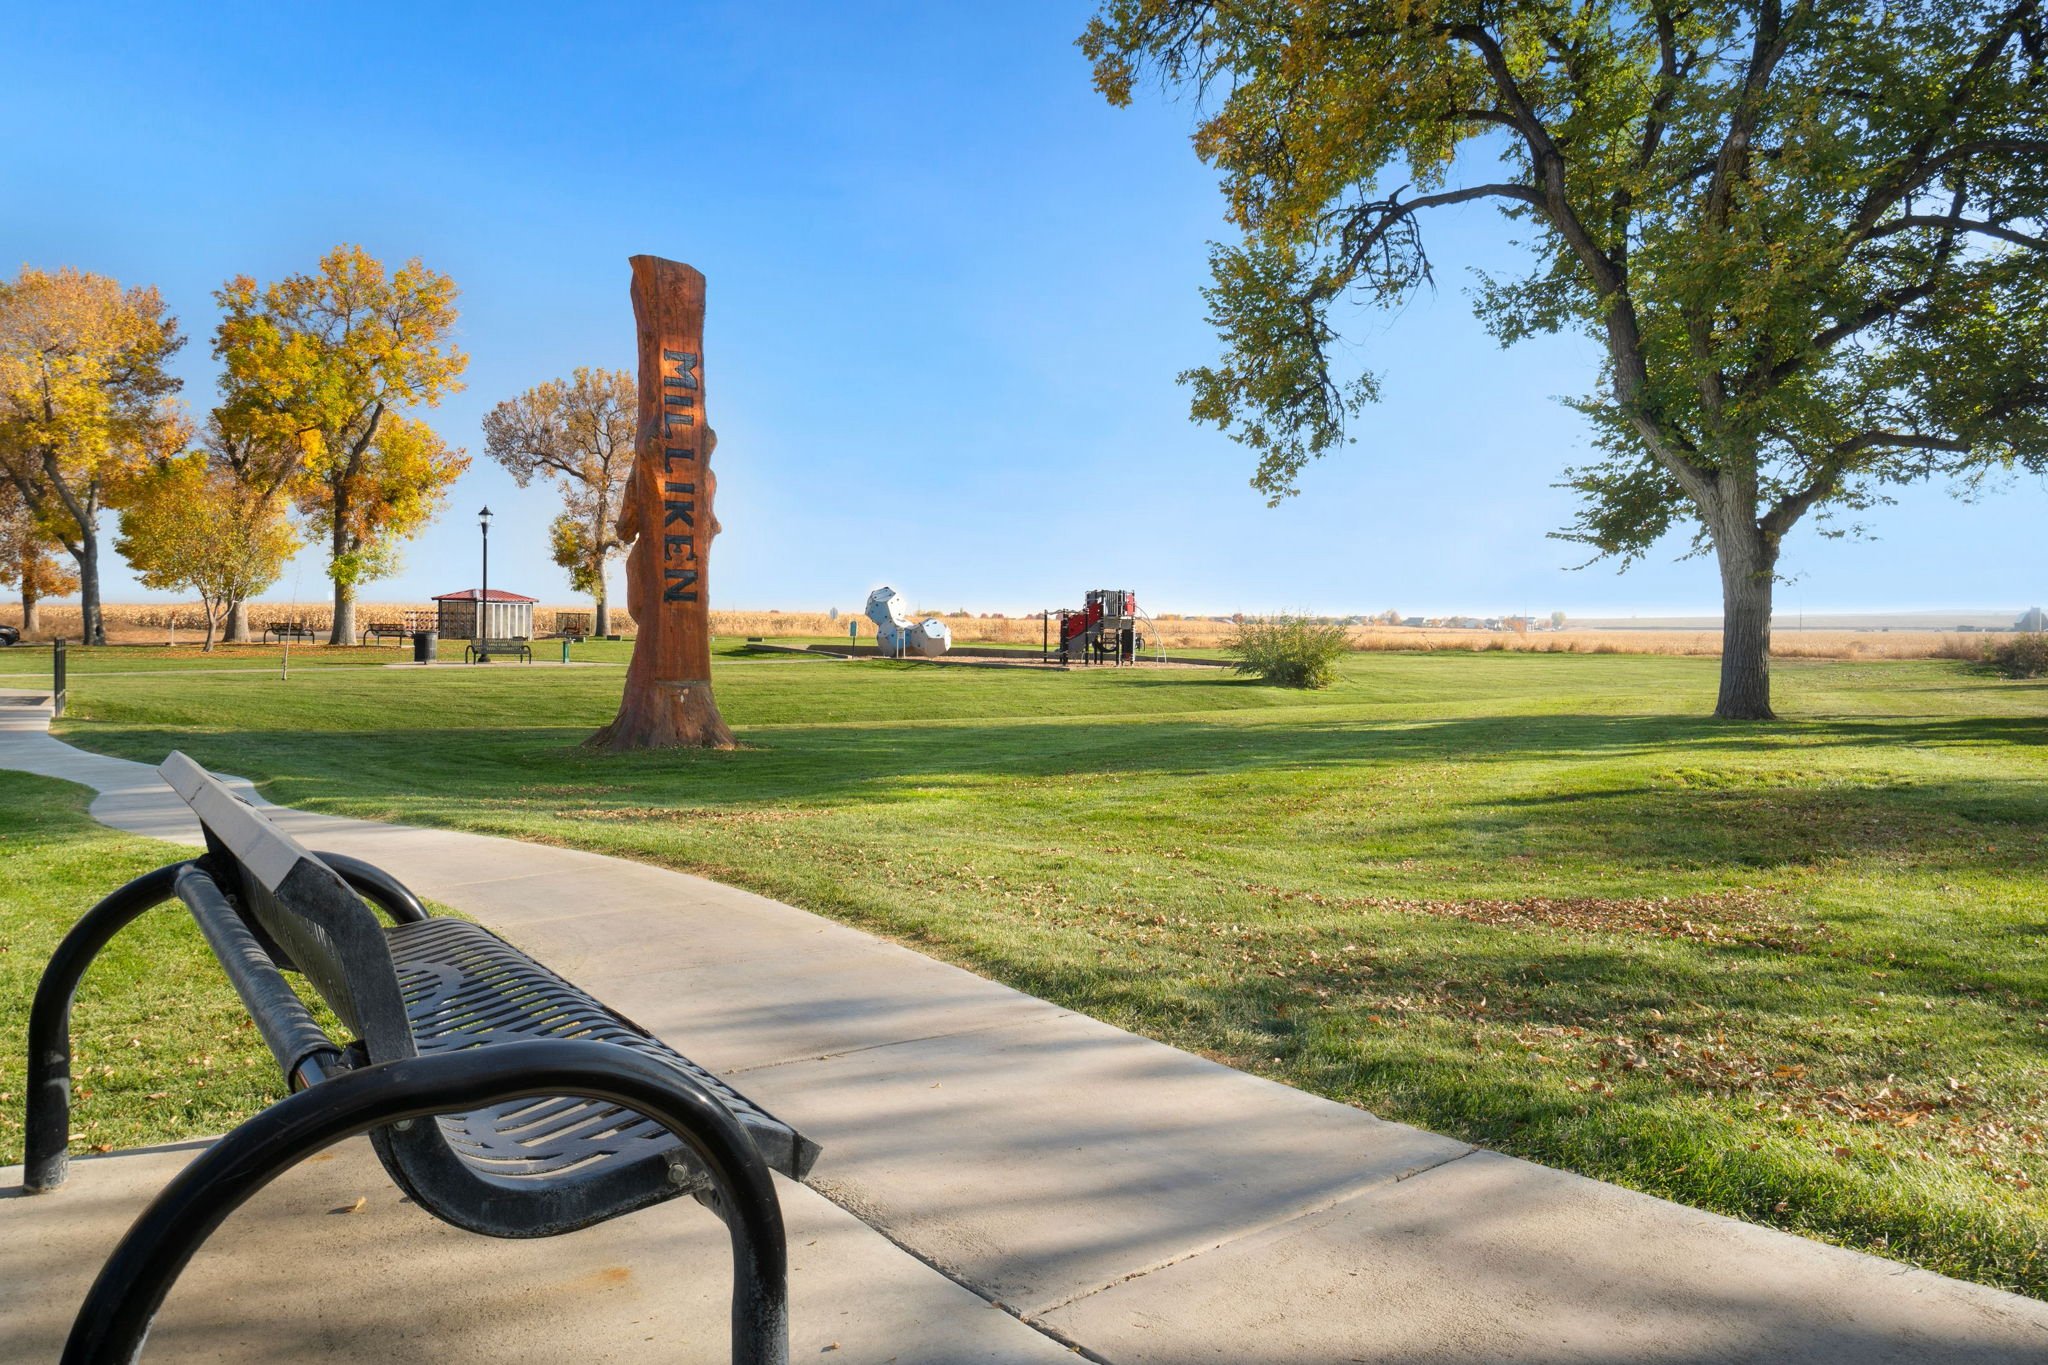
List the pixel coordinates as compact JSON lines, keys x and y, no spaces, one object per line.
{"x":154,"y":623}
{"x":1180,"y":632}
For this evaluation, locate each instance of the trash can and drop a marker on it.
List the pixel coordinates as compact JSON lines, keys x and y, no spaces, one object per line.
{"x":424,"y":645}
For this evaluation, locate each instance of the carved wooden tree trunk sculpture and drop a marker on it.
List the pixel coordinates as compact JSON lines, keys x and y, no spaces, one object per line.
{"x":666,"y":517}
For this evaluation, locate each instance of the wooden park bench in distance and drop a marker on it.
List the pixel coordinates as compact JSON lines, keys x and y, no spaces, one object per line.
{"x":476,"y":649}
{"x":281,"y":631}
{"x":498,"y":1096}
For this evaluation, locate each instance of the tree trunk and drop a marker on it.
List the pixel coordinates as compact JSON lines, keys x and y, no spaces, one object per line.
{"x":604,"y":612}
{"x":667,"y":515}
{"x":344,"y":629}
{"x":92,"y":625}
{"x":31,"y":612}
{"x":237,"y":632}
{"x":1748,"y":564}
{"x":207,"y":607}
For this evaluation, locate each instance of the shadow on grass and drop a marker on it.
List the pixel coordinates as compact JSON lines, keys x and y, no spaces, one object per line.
{"x":1697,"y":792}
{"x":839,"y":756}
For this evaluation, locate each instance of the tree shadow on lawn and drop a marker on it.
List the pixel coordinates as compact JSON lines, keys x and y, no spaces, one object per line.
{"x":1981,"y":824}
{"x":1723,"y":795}
{"x":806,"y":763}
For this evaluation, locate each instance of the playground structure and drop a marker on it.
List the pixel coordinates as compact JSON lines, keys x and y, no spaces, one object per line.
{"x":1106,"y":630}
{"x":897,"y":636}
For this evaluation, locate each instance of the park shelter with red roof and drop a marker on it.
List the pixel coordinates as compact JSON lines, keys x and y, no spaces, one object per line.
{"x":507,"y":615}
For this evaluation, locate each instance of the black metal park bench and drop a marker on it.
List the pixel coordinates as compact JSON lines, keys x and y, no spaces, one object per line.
{"x":498,"y":1096}
{"x":385,"y":630}
{"x":477,"y":649}
{"x":288,"y":630}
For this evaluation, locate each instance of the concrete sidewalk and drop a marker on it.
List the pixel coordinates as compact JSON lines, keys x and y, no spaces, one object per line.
{"x":1108,"y":1193}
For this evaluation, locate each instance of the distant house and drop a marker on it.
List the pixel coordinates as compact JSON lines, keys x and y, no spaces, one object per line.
{"x":506,"y":616}
{"x":1412,"y":621}
{"x":2033,"y":618}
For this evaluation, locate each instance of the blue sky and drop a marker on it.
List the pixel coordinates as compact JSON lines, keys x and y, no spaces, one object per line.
{"x":949,"y":292}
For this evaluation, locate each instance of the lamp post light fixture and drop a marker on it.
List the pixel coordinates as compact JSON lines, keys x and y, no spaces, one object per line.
{"x":483,"y":600}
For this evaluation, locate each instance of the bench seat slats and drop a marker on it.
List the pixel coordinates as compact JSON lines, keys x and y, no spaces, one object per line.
{"x":466,"y":987}
{"x":525,"y":1168}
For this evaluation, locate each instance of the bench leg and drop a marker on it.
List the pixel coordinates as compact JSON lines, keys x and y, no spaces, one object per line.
{"x":47,"y":1122}
{"x":117,"y":1312}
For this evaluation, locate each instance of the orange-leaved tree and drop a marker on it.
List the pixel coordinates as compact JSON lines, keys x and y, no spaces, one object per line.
{"x":26,"y":558}
{"x":83,"y":392}
{"x":331,"y":361}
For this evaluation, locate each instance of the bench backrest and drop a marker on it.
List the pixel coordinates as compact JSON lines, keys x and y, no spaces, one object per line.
{"x":302,"y":906}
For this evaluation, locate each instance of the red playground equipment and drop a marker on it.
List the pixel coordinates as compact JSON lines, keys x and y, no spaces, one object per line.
{"x":1105,"y":631}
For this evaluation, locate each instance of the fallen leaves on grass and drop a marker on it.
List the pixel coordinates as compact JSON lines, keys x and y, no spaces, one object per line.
{"x":692,"y":815}
{"x":2002,"y":1138}
{"x":1716,"y":917}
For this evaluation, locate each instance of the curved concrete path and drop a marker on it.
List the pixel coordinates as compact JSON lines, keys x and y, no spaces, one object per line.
{"x":1003,"y":1180}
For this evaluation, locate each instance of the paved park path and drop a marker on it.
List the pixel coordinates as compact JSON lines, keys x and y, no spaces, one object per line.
{"x":1002,"y":1180}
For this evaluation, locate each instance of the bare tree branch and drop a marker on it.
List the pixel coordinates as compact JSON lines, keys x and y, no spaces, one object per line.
{"x":1954,"y":222}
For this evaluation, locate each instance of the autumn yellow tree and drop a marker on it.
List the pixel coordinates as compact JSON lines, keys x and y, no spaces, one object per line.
{"x":26,"y":558}
{"x":331,"y":362}
{"x":579,"y":433}
{"x":399,"y":484}
{"x":265,"y":461}
{"x":83,"y":392}
{"x":189,"y":524}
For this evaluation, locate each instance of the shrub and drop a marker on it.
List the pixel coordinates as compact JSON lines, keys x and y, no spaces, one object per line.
{"x":1289,"y":651}
{"x":2023,"y":656}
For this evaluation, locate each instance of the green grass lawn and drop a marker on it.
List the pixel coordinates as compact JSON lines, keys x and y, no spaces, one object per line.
{"x":1793,"y":972}
{"x":161,"y":1047}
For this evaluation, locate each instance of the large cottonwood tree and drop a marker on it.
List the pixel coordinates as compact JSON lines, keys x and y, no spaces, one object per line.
{"x":578,"y":432}
{"x":1807,"y":238}
{"x":329,"y":361}
{"x":84,"y":393}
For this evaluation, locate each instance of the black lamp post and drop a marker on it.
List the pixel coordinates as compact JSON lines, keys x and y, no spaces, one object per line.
{"x":483,"y":601}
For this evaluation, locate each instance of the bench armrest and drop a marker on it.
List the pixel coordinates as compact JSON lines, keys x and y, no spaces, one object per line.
{"x":116,"y":1314}
{"x":47,"y":1121}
